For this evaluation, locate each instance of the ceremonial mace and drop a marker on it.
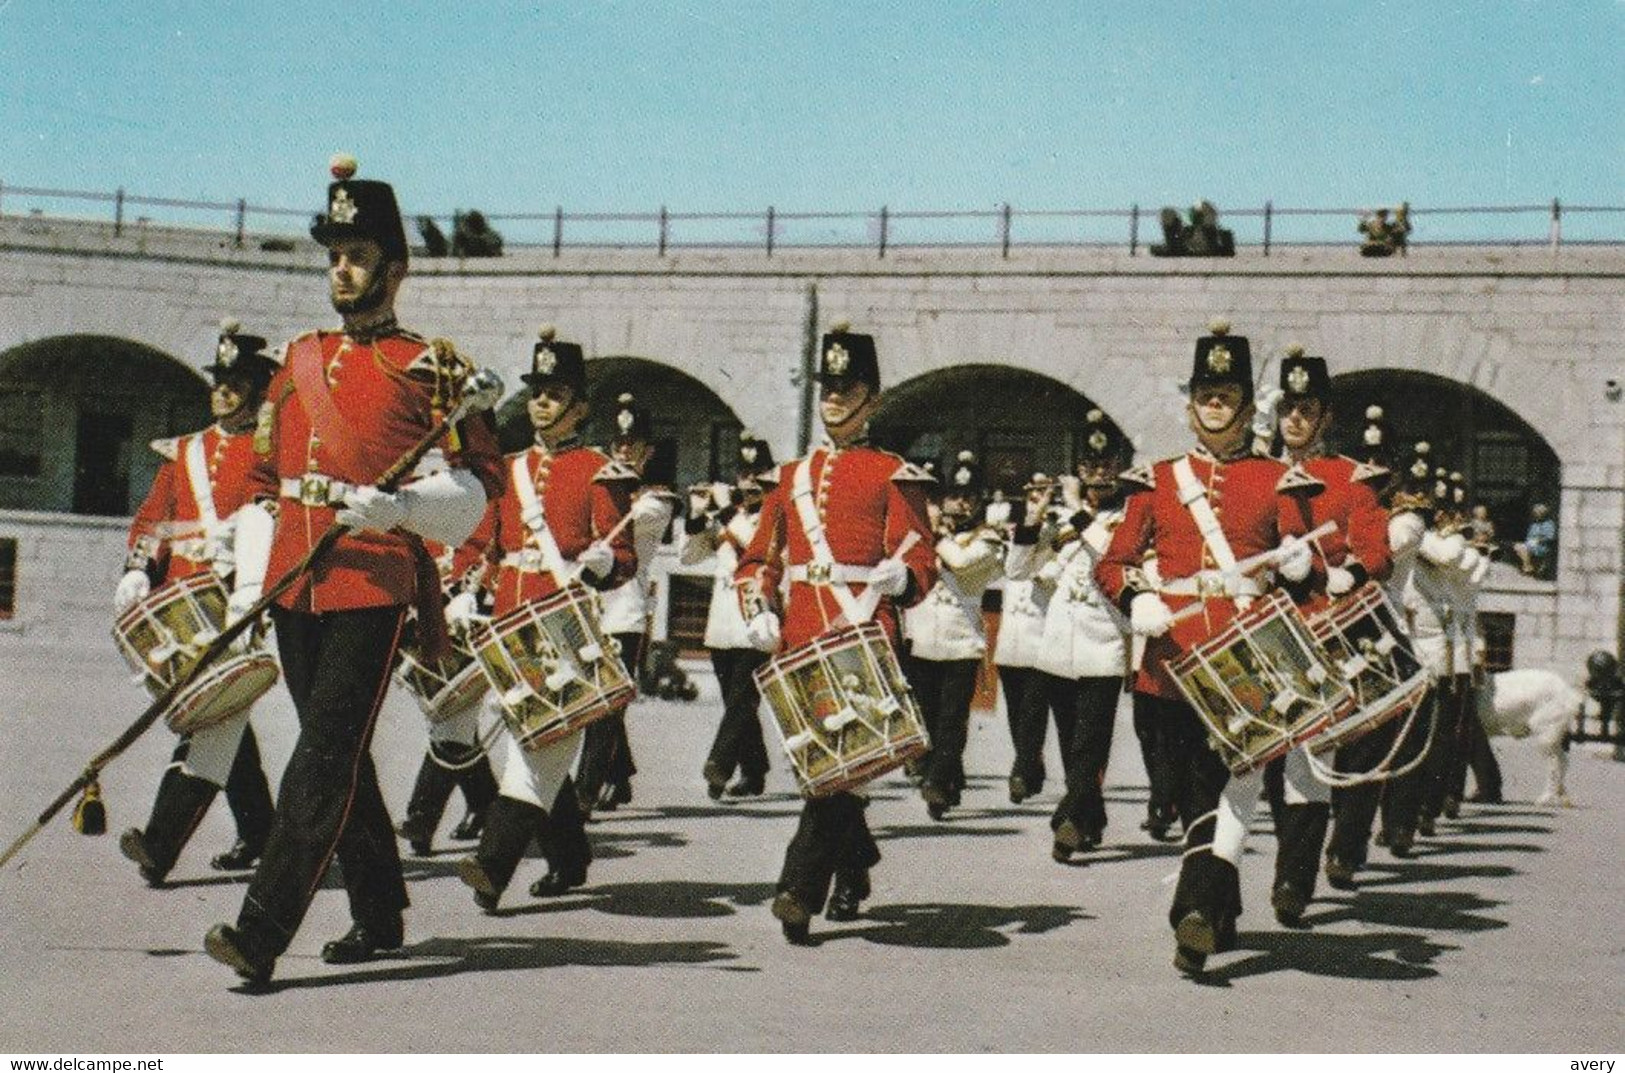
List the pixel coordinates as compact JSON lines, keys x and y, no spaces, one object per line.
{"x":481,"y":391}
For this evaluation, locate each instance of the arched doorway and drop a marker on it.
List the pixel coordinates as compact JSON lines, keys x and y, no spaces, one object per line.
{"x":1016,"y":421}
{"x":75,"y":411}
{"x":1509,"y":467}
{"x":696,"y":434}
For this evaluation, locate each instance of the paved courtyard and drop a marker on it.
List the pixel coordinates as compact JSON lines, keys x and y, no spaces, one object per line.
{"x":1505,"y":933}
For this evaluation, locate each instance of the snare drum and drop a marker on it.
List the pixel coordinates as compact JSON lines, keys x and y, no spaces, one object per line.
{"x":162,"y":637}
{"x":1363,"y":635}
{"x":1262,"y":685}
{"x":845,"y":713}
{"x":443,"y":687}
{"x":552,"y":666}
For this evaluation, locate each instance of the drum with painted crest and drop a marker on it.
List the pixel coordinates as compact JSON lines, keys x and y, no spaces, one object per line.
{"x":1261,"y":685}
{"x":844,"y":711}
{"x":162,"y":638}
{"x":1364,"y":636}
{"x":551,"y":666}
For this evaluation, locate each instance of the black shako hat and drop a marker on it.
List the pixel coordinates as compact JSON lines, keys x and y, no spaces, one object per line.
{"x":552,"y":360}
{"x":964,"y":477}
{"x":1222,"y":358}
{"x":845,"y":355}
{"x":360,"y":208}
{"x":1100,"y":440}
{"x":755,"y":457}
{"x":1303,"y":375}
{"x":237,"y":355}
{"x":632,"y":422}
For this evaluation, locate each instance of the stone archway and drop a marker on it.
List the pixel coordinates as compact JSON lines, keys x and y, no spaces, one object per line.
{"x":1015,"y":420}
{"x":75,"y":414}
{"x":1509,"y":466}
{"x":696,"y":433}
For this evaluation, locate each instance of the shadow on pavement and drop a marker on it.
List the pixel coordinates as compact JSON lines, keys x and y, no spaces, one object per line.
{"x":1112,"y":853}
{"x":1424,"y":872}
{"x":671,"y":900}
{"x":505,"y":953}
{"x":1430,"y":911}
{"x":1377,"y":956}
{"x":955,"y":926}
{"x":611,"y":845}
{"x":945,"y":829}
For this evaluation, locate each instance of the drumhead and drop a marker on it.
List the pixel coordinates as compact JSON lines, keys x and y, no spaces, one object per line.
{"x":226,"y":688}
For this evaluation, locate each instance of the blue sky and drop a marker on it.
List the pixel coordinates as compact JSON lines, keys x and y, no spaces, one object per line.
{"x":623,"y":106}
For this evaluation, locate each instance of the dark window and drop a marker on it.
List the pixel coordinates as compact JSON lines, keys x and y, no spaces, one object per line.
{"x":1497,"y":628}
{"x":687,"y":606}
{"x":8,"y":577}
{"x":22,"y":432}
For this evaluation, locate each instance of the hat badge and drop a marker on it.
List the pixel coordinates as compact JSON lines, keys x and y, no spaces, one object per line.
{"x":1298,"y":379}
{"x":1097,"y":440}
{"x":747,"y":454}
{"x":625,"y":420}
{"x":1218,"y":360}
{"x":226,"y":352}
{"x":837,"y":360}
{"x":546,"y":361}
{"x":342,"y":210}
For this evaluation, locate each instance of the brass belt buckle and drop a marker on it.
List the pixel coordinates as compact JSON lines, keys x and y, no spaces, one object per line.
{"x":315,"y":489}
{"x":818,"y":573}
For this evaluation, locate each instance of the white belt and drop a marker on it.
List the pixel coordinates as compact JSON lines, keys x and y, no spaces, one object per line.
{"x":831,"y":574}
{"x":1212,"y":584}
{"x":529,"y":561}
{"x":316,"y":490}
{"x":192,"y":549}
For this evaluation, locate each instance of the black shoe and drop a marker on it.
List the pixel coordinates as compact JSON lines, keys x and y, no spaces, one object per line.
{"x":1400,"y":843}
{"x":419,"y":834}
{"x":225,"y":944}
{"x":133,"y":844}
{"x":716,"y":780}
{"x":1289,"y":905}
{"x":794,"y":918}
{"x":747,"y":787}
{"x":1425,"y":827}
{"x":1188,"y":961}
{"x":559,"y":881}
{"x":851,"y":887}
{"x":240,"y":857}
{"x":1018,"y":790}
{"x":614,"y":795}
{"x":362,"y":943}
{"x":1195,"y":933}
{"x":472,"y":823}
{"x":1068,"y":840}
{"x":486,"y":893}
{"x":936,"y":801}
{"x":1452,"y":807}
{"x":1340,"y":874}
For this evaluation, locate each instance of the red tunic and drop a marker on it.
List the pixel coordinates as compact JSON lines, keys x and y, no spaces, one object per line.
{"x":1345,"y":497}
{"x":168,"y":529}
{"x":869,"y":500}
{"x":1254,"y":516}
{"x":386,"y":392}
{"x":583,"y":495}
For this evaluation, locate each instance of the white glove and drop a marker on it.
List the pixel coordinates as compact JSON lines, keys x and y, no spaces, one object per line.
{"x":598,"y":560}
{"x":133,"y":587}
{"x":1481,"y":572}
{"x":889,"y":577}
{"x":462,"y":610}
{"x":1339,"y":581}
{"x":370,"y":507}
{"x":1265,"y":401}
{"x":222,"y":548}
{"x":1294,"y":559}
{"x":1470,"y":560}
{"x":241,"y":600}
{"x":1148,"y":616}
{"x":998,"y":513}
{"x":1442,"y":550}
{"x":762,"y":632}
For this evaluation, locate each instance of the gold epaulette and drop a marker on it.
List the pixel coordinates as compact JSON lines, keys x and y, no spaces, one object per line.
{"x":1298,"y":479}
{"x":169,"y":447}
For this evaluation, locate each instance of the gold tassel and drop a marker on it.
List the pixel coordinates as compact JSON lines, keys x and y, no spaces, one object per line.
{"x":90,"y":815}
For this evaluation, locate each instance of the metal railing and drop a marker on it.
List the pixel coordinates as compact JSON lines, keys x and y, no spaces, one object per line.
{"x":1002,"y":228}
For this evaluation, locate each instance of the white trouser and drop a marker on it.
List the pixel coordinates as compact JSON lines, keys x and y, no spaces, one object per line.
{"x":214,"y":749}
{"x":1239,"y":801}
{"x":459,"y":728}
{"x":534,"y":775}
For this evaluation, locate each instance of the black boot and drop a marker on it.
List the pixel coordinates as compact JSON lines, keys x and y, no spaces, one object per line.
{"x":845,"y":901}
{"x":176,"y":811}
{"x":479,"y":788}
{"x":363,"y":942}
{"x":510,"y":826}
{"x":566,"y":846}
{"x":1206,"y":904}
{"x":249,"y":797}
{"x":430,"y":792}
{"x":1300,"y":834}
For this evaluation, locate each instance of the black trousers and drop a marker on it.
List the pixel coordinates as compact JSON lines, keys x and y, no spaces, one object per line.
{"x":833,"y":835}
{"x":739,"y":743}
{"x":336,"y":666}
{"x":1354,"y":808}
{"x":944,"y":689}
{"x":1027,"y":709}
{"x":1446,"y":757}
{"x":1196,"y":778}
{"x":1090,"y":706}
{"x":606,"y":751}
{"x":1479,"y":757}
{"x":248,"y":794}
{"x":1161,"y":807}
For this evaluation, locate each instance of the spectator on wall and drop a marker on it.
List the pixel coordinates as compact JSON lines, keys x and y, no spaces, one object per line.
{"x":1539,"y":545}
